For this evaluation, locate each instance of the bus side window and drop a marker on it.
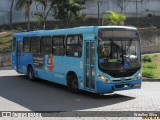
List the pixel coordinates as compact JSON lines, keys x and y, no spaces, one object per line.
{"x":35,"y":44}
{"x":26,"y":44}
{"x":46,"y":44}
{"x":74,"y":45}
{"x":14,"y":45}
{"x":58,"y":45}
{"x":80,"y":45}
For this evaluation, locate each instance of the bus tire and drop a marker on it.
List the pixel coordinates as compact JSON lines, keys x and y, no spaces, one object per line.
{"x":73,"y":83}
{"x":31,"y":73}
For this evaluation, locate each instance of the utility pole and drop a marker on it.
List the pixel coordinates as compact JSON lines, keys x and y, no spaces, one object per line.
{"x":122,"y":7}
{"x":29,"y":4}
{"x":28,"y":24}
{"x":98,"y":12}
{"x":11,"y":13}
{"x":136,"y":12}
{"x":44,"y":25}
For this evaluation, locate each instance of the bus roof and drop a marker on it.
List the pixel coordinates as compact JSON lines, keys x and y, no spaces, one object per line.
{"x":76,"y":30}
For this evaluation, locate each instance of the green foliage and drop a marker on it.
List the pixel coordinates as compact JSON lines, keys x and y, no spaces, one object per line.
{"x":149,"y":65}
{"x":43,"y":8}
{"x":149,"y":73}
{"x":6,"y":41}
{"x":20,"y":4}
{"x":113,"y":18}
{"x":18,"y":29}
{"x":5,"y":45}
{"x":37,"y":19}
{"x":149,"y":68}
{"x":43,"y":2}
{"x":155,"y":55}
{"x":69,"y":10}
{"x":146,"y":58}
{"x":56,"y":27}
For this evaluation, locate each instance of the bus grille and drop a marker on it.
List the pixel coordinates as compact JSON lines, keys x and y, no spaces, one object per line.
{"x":122,"y":79}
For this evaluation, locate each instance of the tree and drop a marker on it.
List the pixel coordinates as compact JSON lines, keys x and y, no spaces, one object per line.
{"x":37,"y":20}
{"x":68,"y":10}
{"x":46,"y":7}
{"x":20,"y":4}
{"x":113,"y":18}
{"x":11,"y":8}
{"x":122,"y":4}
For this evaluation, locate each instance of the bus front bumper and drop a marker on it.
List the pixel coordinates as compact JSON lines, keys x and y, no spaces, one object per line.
{"x":111,"y":87}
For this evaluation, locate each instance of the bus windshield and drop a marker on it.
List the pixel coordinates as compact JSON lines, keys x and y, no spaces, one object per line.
{"x":119,"y":49}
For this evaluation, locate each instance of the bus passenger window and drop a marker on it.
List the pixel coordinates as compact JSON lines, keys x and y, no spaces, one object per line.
{"x":26,"y":45}
{"x":74,"y":45}
{"x":58,"y":45}
{"x":20,"y":48}
{"x":35,"y":44}
{"x":46,"y":44}
{"x":14,"y":45}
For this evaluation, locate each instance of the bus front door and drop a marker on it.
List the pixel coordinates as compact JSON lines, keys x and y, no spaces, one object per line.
{"x":89,"y":65}
{"x":19,"y":56}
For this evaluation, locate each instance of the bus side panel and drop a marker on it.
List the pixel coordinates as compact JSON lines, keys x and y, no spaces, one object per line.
{"x":59,"y":70}
{"x":14,"y":64}
{"x":19,"y":53}
{"x":14,"y":60}
{"x":76,"y":65}
{"x":43,"y":66}
{"x":44,"y":75}
{"x":27,"y":59}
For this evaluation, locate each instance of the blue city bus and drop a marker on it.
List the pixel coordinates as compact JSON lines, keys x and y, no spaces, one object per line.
{"x":98,"y":59}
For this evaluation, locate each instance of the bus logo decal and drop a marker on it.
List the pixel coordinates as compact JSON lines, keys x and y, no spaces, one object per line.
{"x":49,"y":63}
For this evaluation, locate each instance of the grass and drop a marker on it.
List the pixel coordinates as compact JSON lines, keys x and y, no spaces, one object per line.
{"x":151,"y":69}
{"x":6,"y":33}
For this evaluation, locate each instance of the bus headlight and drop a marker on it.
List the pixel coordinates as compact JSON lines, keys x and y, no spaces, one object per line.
{"x":138,"y":76}
{"x":103,"y":78}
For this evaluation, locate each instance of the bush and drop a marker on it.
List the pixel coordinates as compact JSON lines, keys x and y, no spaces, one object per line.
{"x":155,"y":55}
{"x":146,"y":58}
{"x":38,"y":19}
{"x":149,"y":73}
{"x":149,"y":65}
{"x":113,"y":18}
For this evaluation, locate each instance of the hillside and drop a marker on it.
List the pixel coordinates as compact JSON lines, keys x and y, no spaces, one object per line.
{"x":6,"y":41}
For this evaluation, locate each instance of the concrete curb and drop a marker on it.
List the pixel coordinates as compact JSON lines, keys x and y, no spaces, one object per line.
{"x":6,"y":68}
{"x":150,"y":80}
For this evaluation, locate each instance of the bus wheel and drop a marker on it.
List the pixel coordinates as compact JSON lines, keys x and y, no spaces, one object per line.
{"x":31,"y":73}
{"x":73,"y":83}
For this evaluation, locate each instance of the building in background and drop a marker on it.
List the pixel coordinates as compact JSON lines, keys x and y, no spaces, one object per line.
{"x":133,"y":8}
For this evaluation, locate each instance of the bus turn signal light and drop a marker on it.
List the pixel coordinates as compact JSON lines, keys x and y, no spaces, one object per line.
{"x":136,"y":85}
{"x":103,"y":78}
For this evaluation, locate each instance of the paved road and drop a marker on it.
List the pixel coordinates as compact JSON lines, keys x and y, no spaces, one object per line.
{"x":17,"y":93}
